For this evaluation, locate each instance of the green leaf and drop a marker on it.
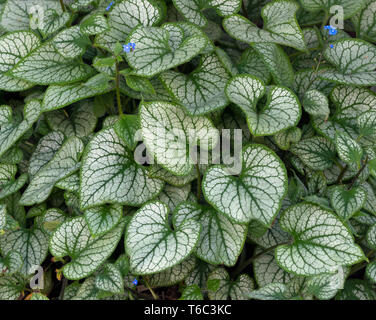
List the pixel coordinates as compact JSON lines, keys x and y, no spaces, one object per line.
{"x":321,"y":242}
{"x":70,"y":183}
{"x":152,"y":253}
{"x":11,"y":84}
{"x":159,"y":49}
{"x":80,"y":123}
{"x":103,"y":219}
{"x":347,"y":202}
{"x":72,"y":238}
{"x":236,"y":290}
{"x":166,"y":130}
{"x":371,"y":237}
{"x":126,"y":128}
{"x":71,"y":42}
{"x":371,"y":271}
{"x":349,"y":7}
{"x":110,"y":279}
{"x":251,"y":63}
{"x":280,"y":26}
{"x":271,"y":291}
{"x":5,"y":114}
{"x":46,"y":66}
{"x":11,"y":132}
{"x":93,"y":25}
{"x":367,"y":123}
{"x":316,"y":103}
{"x":257,"y":192}
{"x":172,"y":275}
{"x":348,"y":149}
{"x":140,"y":84}
{"x":13,"y":186}
{"x":11,"y":263}
{"x":109,"y":174}
{"x":277,"y":61}
{"x":363,"y":21}
{"x":192,"y":292}
{"x":51,"y":219}
{"x":124,"y":17}
{"x":221,"y":241}
{"x":63,"y":163}
{"x":201,"y":91}
{"x":59,"y":96}
{"x":31,"y":244}
{"x":192,"y":9}
{"x":355,"y":62}
{"x":38,"y":296}
{"x":316,"y":153}
{"x":15,"y":46}
{"x":282,"y":109}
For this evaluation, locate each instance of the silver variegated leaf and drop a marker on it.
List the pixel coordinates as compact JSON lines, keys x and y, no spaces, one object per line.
{"x":316,"y":103}
{"x":349,"y":7}
{"x":256,"y":193}
{"x":103,"y":218}
{"x":173,"y":196}
{"x":347,"y":202}
{"x":166,"y":129}
{"x":202,"y":91}
{"x":31,"y":244}
{"x":221,"y":240}
{"x":149,"y":239}
{"x":63,"y":163}
{"x":281,"y":111}
{"x":72,"y":238}
{"x":109,"y":174}
{"x":94,"y":24}
{"x":109,"y":279}
{"x":159,"y":49}
{"x":280,"y":26}
{"x":157,"y":171}
{"x":230,"y":289}
{"x":71,"y":42}
{"x":348,"y":149}
{"x":321,"y":242}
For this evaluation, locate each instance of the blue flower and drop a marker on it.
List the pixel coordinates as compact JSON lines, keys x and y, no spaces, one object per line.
{"x":133,"y":45}
{"x":332,"y":46}
{"x":333,"y":31}
{"x":135,"y":282}
{"x":327,"y":27}
{"x":126,"y":48}
{"x":110,"y":5}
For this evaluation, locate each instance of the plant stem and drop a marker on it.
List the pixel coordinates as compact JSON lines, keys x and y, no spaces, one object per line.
{"x":244,"y":10}
{"x":62,"y":5}
{"x":359,"y":172}
{"x":155,"y":296}
{"x":117,"y":79}
{"x":325,"y":20}
{"x":198,"y":182}
{"x":242,"y":266}
{"x":342,"y":174}
{"x":63,"y":286}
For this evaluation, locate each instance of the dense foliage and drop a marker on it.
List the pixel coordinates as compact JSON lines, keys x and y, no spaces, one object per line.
{"x":90,"y":87}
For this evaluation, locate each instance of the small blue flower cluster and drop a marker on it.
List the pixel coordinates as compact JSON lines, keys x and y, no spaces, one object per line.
{"x":332,"y":32}
{"x":110,"y":5}
{"x":135,"y":282}
{"x":129,"y":47}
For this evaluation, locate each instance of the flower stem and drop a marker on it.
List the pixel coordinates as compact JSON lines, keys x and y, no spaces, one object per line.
{"x":117,"y":79}
{"x":62,"y":5}
{"x":155,"y":296}
{"x":342,"y":174}
{"x":359,"y":172}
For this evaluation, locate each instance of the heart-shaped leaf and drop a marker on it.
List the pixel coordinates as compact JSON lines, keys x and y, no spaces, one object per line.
{"x":72,"y":238}
{"x":348,"y":149}
{"x":363,"y":21}
{"x":149,"y":239}
{"x":316,"y":153}
{"x":347,"y":202}
{"x":221,"y":241}
{"x":281,"y":111}
{"x":110,"y":279}
{"x":280,"y":26}
{"x":355,"y":62}
{"x":11,"y":132}
{"x":71,"y":43}
{"x":63,"y":163}
{"x":192,"y":9}
{"x":159,"y":49}
{"x":110,"y":174}
{"x":11,"y":263}
{"x":166,"y":131}
{"x":202,"y":91}
{"x":234,"y":289}
{"x":287,"y":137}
{"x":192,"y":292}
{"x":316,"y":103}
{"x":93,"y":25}
{"x":46,"y":66}
{"x":53,"y":21}
{"x":31,"y":244}
{"x":321,"y":242}
{"x":257,"y":192}
{"x":124,"y":17}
